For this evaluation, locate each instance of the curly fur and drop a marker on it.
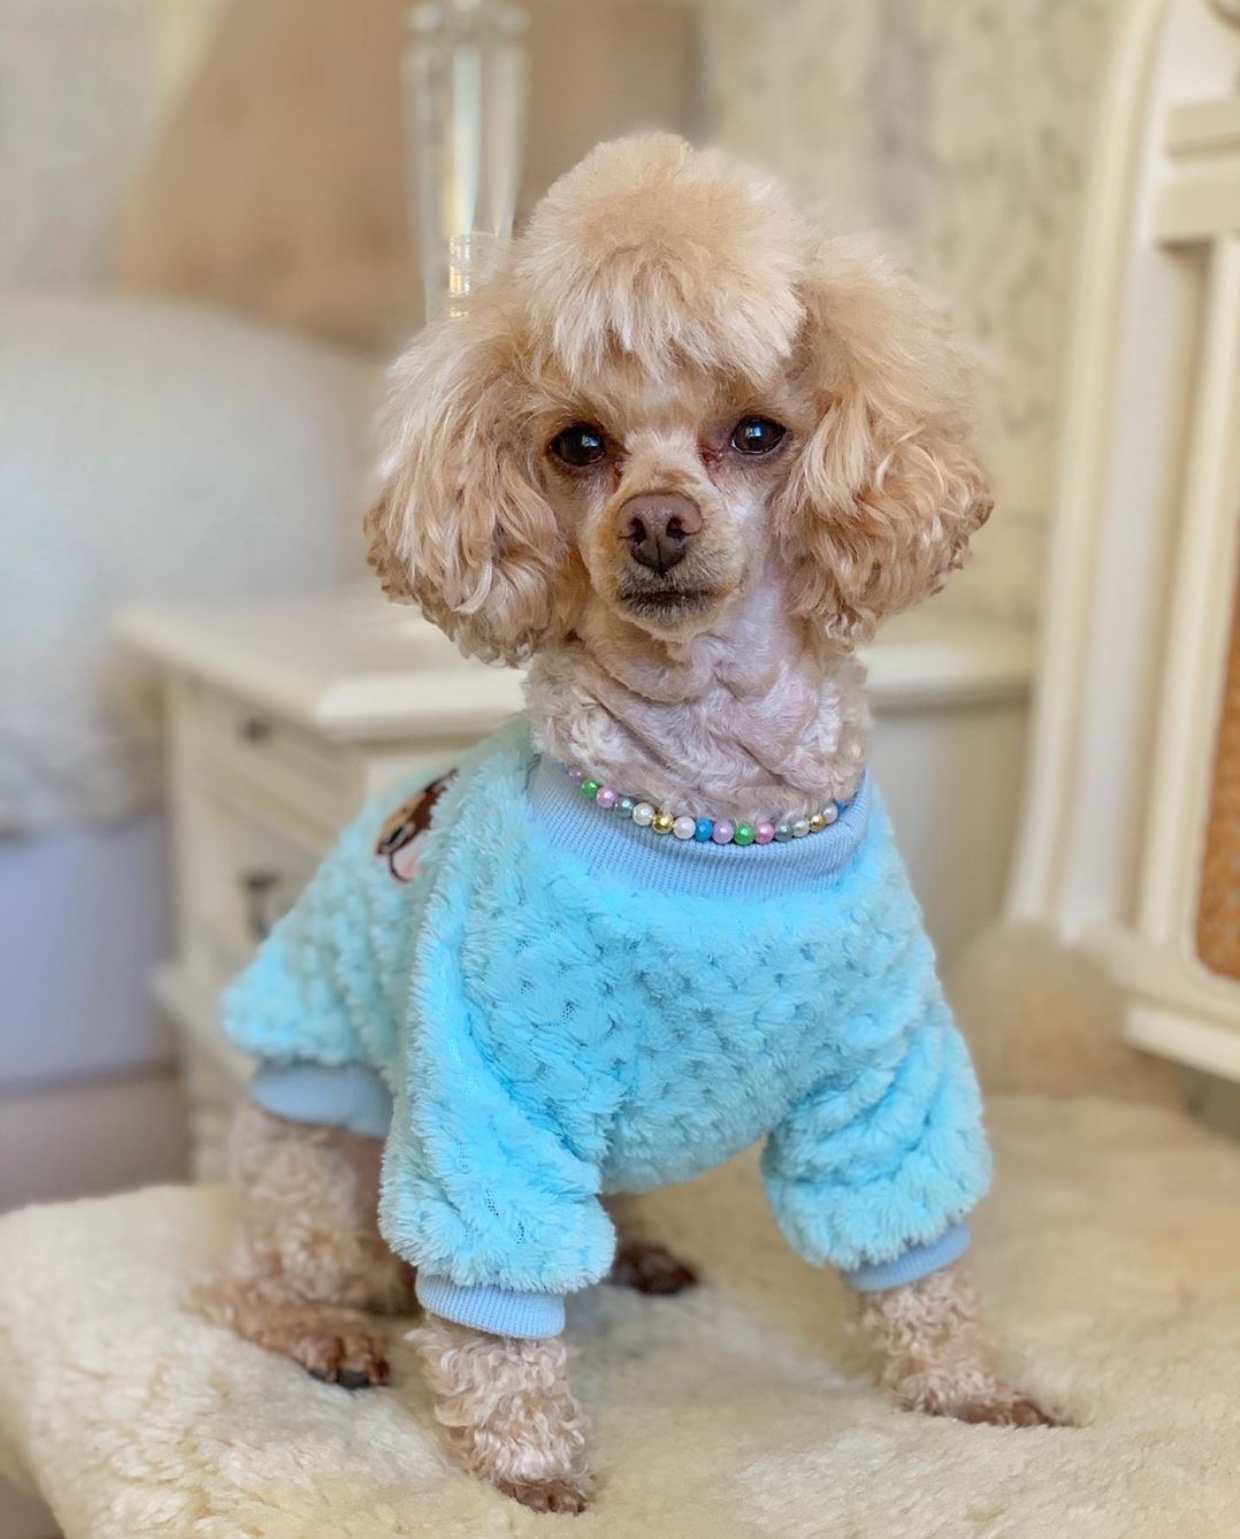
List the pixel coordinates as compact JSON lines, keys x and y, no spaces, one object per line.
{"x":938,"y":1357}
{"x":510,"y":1413}
{"x":660,"y":294}
{"x":308,"y":1268}
{"x":886,"y":492}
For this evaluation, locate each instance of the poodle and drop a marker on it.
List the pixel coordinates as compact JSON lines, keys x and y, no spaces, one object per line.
{"x":680,"y":454}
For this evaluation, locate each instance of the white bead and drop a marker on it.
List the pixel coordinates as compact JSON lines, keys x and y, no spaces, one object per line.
{"x":643,"y":814}
{"x":684,"y":828}
{"x":831,"y":813}
{"x":800,"y":828}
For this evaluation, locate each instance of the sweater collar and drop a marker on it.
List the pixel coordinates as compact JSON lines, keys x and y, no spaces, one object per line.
{"x":616,"y":848}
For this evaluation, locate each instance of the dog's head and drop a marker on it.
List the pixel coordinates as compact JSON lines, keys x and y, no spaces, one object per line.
{"x":667,"y":385}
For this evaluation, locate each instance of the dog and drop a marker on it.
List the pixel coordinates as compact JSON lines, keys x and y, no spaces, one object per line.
{"x":681,"y":454}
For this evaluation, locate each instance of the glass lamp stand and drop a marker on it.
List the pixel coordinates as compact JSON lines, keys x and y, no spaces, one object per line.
{"x":464,"y":75}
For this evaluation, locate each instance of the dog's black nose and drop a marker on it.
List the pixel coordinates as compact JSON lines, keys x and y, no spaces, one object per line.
{"x":658,"y":528}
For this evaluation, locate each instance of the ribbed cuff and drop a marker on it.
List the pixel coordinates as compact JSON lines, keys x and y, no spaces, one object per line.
{"x":346,"y":1095}
{"x":919,"y":1261}
{"x":501,"y":1311}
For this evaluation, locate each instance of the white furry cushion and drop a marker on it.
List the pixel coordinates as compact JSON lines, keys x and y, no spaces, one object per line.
{"x":149,"y":451}
{"x":1110,"y":1255}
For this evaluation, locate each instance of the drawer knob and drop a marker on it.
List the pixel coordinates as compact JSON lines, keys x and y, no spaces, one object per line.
{"x":266,"y":902}
{"x":256,"y":729}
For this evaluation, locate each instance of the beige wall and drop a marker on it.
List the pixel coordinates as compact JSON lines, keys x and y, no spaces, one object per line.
{"x":77,"y":105}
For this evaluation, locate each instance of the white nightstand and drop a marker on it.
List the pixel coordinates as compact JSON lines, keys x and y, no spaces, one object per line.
{"x":284,"y":717}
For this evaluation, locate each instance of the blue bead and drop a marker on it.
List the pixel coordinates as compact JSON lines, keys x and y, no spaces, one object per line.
{"x":625,"y":806}
{"x":705,"y":828}
{"x":783,"y":832}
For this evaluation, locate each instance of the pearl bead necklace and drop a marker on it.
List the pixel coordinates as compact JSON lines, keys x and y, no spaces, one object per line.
{"x":702,"y":830}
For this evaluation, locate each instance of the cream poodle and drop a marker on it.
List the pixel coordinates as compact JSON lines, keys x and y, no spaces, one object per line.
{"x":681,"y":453}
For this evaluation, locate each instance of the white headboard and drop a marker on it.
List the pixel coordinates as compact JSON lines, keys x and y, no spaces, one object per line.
{"x":1122,"y":805}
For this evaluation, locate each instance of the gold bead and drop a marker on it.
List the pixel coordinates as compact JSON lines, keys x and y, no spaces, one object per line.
{"x":663,"y":822}
{"x":817,"y":823}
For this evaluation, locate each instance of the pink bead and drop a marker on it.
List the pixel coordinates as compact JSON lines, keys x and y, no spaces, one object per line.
{"x":606,"y":798}
{"x":723,"y":833}
{"x":576,"y":774}
{"x":763,"y":833}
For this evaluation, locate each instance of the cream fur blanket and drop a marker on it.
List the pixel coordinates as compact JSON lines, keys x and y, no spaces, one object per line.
{"x":1110,"y":1255}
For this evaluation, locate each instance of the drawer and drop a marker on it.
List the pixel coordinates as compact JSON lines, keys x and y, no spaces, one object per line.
{"x":290,"y":764}
{"x":213,"y":1073}
{"x":252,"y":872}
{"x":212,"y":1097}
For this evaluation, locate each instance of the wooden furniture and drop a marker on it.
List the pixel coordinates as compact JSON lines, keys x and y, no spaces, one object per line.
{"x":284,"y":717}
{"x":1131,"y":832}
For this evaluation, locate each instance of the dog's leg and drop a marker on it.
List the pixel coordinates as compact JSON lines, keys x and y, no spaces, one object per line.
{"x":307,"y":1265}
{"x":642,"y":1262}
{"x":938,"y":1356}
{"x":510,"y":1412}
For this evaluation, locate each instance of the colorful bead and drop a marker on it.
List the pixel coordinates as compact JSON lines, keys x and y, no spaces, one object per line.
{"x":704,"y":830}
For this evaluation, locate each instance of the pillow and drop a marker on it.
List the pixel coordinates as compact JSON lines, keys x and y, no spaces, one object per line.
{"x":150,"y":451}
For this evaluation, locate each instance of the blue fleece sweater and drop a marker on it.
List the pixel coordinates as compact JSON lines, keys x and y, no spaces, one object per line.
{"x":559,"y":1004}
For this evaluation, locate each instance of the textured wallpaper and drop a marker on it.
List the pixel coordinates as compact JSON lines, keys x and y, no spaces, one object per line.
{"x":962,"y":128}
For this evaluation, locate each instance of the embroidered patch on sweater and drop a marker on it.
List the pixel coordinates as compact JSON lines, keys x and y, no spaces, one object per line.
{"x":400,"y":838}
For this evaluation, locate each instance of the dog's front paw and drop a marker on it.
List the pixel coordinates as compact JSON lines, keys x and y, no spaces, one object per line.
{"x":1006,"y":1407}
{"x":509,"y":1413}
{"x":347,"y":1357}
{"x":990,"y":1403}
{"x":565,"y":1496}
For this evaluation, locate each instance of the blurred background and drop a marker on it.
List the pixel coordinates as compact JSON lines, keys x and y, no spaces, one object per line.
{"x":209,"y":247}
{"x":220,"y":219}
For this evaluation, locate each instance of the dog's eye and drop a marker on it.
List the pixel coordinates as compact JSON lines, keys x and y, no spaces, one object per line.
{"x":757,"y":435}
{"x":581,"y":444}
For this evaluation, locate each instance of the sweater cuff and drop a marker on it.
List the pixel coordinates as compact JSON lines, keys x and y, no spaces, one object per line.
{"x":346,"y":1095}
{"x":500,"y":1311}
{"x":916,"y":1262}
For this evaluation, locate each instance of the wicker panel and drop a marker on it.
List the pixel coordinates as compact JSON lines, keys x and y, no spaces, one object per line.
{"x":1218,"y":907}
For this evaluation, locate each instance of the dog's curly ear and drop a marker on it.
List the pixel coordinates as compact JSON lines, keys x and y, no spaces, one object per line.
{"x":887,"y":490}
{"x":461,"y":526}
